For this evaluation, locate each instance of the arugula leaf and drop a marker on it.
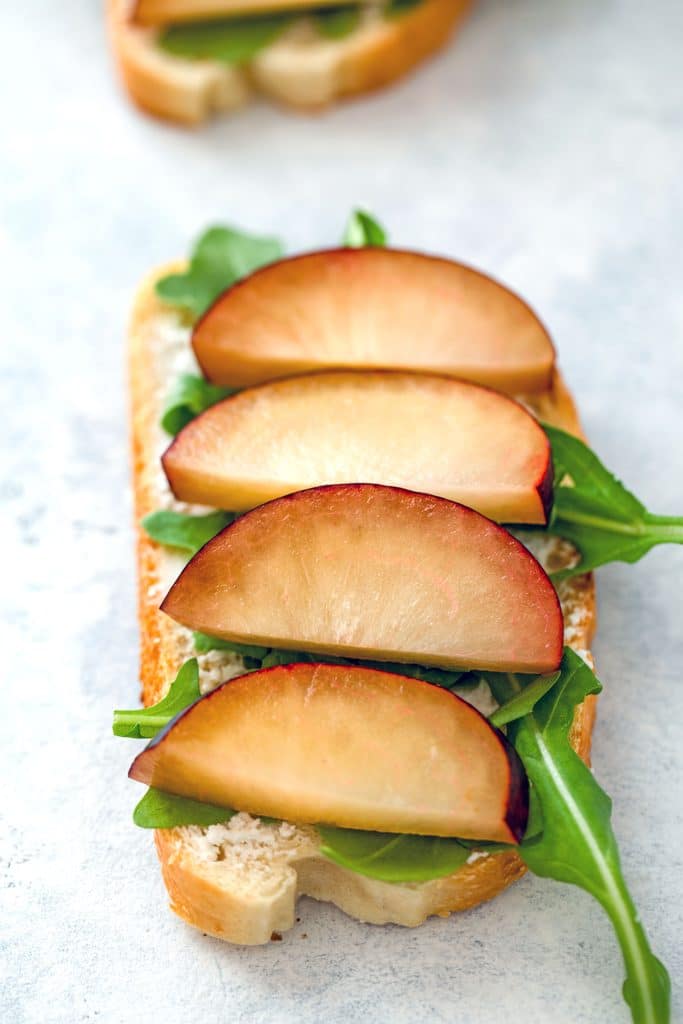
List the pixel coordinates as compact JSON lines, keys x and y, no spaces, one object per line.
{"x":221,"y":256}
{"x":577,"y":844}
{"x":143,"y":723}
{"x":181,"y":530}
{"x":363,"y":230}
{"x":204,"y":643}
{"x":486,"y":846}
{"x":337,"y":22}
{"x":239,"y":39}
{"x":398,"y":7}
{"x":390,"y":857}
{"x":165,"y":810}
{"x":522,"y":703}
{"x":441,"y":677}
{"x":383,"y":855}
{"x":594,"y":510}
{"x":190,"y":396}
{"x":269,"y":657}
{"x":230,"y":40}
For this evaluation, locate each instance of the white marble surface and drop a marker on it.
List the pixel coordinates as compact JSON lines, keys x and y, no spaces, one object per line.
{"x":547,"y":147}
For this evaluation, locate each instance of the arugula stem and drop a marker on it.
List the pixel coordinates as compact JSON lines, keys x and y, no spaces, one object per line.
{"x":614,"y":899}
{"x":514,"y":682}
{"x":600,"y":523}
{"x":134,"y":718}
{"x":668,"y":528}
{"x":641,"y":989}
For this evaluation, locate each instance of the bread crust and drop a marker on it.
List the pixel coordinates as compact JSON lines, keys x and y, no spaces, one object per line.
{"x":198,"y":896}
{"x":365,"y":63}
{"x":168,"y":87}
{"x":202,"y":891}
{"x":291,"y":70}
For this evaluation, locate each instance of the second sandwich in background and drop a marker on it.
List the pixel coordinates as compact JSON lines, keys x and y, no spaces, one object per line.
{"x":187,"y":59}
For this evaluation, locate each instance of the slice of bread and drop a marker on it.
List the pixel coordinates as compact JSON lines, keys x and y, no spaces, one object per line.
{"x":240,"y":881}
{"x":299,"y":68}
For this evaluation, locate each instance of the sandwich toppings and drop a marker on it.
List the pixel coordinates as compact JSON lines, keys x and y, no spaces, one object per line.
{"x":200,"y":31}
{"x":311,"y":571}
{"x":284,"y":436}
{"x":308,"y":743}
{"x":373,"y":308}
{"x":594,"y":511}
{"x":356,"y":608}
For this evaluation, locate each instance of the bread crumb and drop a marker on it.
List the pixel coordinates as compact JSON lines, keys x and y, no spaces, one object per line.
{"x":477,"y":855}
{"x":247,"y":842}
{"x":479,"y":696}
{"x":216,"y":668}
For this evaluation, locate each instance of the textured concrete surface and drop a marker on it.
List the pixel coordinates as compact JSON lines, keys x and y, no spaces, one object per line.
{"x":547,"y":147}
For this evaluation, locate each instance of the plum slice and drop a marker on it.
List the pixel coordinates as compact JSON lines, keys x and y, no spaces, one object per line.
{"x":166,"y":12}
{"x":432,"y":434}
{"x":367,"y":571}
{"x":346,"y":746}
{"x":373,"y":309}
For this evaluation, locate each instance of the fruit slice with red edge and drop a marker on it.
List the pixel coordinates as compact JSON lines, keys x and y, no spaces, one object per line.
{"x":365,"y":571}
{"x":169,"y":12}
{"x":433,"y":434}
{"x":346,"y":746}
{"x":373,"y":309}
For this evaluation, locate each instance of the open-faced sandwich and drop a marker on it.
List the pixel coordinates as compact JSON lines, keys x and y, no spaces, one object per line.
{"x":188,"y":59}
{"x":359,"y":684}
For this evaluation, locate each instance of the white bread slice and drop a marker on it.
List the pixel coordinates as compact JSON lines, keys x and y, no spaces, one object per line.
{"x":240,"y":881}
{"x":299,"y":68}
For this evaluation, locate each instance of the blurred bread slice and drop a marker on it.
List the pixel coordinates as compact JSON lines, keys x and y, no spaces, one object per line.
{"x":300,"y":68}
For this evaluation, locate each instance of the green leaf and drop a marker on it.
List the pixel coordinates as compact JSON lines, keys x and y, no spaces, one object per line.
{"x":396,"y":8}
{"x":486,"y":846}
{"x":220,"y":258}
{"x":190,"y":396}
{"x":143,"y":723}
{"x":363,"y":230}
{"x":382,"y":855}
{"x":181,"y":530}
{"x":594,"y":510}
{"x":522,"y":703}
{"x":237,"y":40}
{"x":390,"y":857}
{"x":204,"y":643}
{"x":337,"y":22}
{"x":269,"y":657}
{"x":444,"y":677}
{"x":577,"y":844}
{"x":164,"y":810}
{"x":230,"y":40}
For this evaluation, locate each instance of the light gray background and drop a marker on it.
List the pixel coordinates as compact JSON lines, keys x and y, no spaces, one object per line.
{"x":545,"y":146}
